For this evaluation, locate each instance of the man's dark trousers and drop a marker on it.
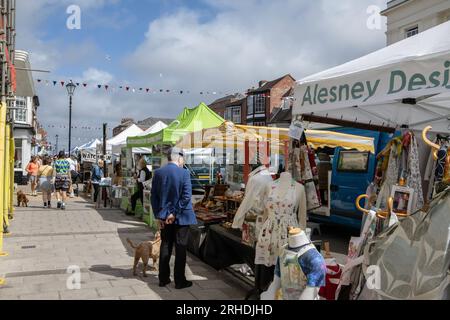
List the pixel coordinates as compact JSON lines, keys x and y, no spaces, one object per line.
{"x":173,"y":235}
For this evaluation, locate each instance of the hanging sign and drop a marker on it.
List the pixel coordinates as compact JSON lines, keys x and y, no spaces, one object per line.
{"x":410,"y":79}
{"x":90,"y":157}
{"x":296,"y":131}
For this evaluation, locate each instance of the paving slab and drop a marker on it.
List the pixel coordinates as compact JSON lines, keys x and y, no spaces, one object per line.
{"x":46,"y":242}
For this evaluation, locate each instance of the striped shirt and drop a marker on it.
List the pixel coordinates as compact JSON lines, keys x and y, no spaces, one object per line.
{"x":62,"y":167}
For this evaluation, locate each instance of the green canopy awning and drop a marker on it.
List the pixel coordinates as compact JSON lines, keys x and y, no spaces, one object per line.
{"x":190,"y":120}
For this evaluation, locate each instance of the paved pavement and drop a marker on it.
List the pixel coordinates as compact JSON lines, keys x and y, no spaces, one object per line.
{"x":45,"y":243}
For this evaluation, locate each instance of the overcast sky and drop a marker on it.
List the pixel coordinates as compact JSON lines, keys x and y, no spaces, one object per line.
{"x":197,"y":46}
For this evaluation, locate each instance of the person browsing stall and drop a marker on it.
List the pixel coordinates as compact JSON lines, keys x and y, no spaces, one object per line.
{"x":143,"y":176}
{"x":96,"y":178}
{"x":171,"y":199}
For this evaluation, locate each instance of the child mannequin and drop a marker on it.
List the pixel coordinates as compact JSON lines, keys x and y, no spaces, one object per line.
{"x":300,"y":271}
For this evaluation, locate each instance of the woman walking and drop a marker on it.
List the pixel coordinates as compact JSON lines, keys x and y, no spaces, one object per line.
{"x":62,"y":180}
{"x":45,"y":178}
{"x":32,"y":171}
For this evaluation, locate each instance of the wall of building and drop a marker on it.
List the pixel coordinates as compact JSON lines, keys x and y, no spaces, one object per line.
{"x":277,"y":93}
{"x":24,"y":136}
{"x":424,"y":14}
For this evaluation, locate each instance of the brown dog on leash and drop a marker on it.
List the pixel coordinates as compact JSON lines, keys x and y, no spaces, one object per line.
{"x":145,"y":251}
{"x":22,"y":199}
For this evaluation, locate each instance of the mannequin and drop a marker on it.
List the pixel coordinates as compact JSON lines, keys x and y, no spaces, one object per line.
{"x":300,"y":270}
{"x":251,"y":204}
{"x":285,"y":205}
{"x":284,"y":185}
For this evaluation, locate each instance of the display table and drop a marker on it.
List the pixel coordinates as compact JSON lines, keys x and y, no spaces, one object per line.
{"x":104,"y":196}
{"x":223,"y":248}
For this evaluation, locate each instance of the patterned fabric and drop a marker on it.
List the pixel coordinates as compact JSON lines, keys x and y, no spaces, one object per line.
{"x":334,"y":272}
{"x":282,"y":213}
{"x":414,"y":179}
{"x":447,"y":168}
{"x":62,"y":167}
{"x":294,"y":164}
{"x":440,"y":164}
{"x":413,"y":255}
{"x":315,"y":201}
{"x":62,"y":183}
{"x":303,"y":168}
{"x":298,"y":269}
{"x":352,"y":272}
{"x":391,"y":178}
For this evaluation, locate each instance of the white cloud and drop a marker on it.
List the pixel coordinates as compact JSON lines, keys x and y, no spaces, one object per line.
{"x":242,"y":43}
{"x":252,"y":40}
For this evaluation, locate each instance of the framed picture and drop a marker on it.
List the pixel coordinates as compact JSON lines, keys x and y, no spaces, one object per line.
{"x":403,"y":199}
{"x":353,"y":161}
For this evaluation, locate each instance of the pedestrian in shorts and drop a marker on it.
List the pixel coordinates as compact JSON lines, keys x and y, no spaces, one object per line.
{"x":62,"y":180}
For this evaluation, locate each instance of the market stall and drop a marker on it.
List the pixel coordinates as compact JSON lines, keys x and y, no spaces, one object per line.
{"x":402,"y":90}
{"x":115,"y":144}
{"x":223,"y":209}
{"x":124,"y":161}
{"x":189,"y":120}
{"x":87,"y":155}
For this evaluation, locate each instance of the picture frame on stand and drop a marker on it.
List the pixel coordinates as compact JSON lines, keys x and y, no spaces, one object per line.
{"x":403,"y":199}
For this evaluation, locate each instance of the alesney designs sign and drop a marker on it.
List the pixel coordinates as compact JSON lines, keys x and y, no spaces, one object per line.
{"x":370,"y":87}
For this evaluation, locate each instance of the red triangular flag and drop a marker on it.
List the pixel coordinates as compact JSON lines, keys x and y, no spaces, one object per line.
{"x":62,"y":83}
{"x":147,"y":89}
{"x":128,"y":88}
{"x":84,"y":85}
{"x":106,"y":87}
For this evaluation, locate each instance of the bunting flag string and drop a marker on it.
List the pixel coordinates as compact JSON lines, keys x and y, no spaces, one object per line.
{"x":87,"y":128}
{"x":133,"y":89}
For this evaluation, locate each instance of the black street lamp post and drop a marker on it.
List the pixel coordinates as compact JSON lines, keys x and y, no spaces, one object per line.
{"x":70,"y":91}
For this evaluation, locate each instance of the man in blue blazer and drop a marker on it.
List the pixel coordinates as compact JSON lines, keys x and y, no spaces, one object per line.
{"x":172,"y":206}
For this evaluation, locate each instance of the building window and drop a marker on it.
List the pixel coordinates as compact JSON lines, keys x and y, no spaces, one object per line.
{"x":259,"y":123}
{"x":20,"y":111}
{"x":18,"y":154}
{"x":227,"y":115}
{"x":412,"y":31}
{"x":260,"y":103}
{"x":250,"y":103}
{"x":287,"y":103}
{"x":256,"y":104}
{"x":233,"y":114}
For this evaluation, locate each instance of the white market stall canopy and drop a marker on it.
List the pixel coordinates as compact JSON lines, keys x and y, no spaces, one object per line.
{"x":153,"y":129}
{"x":405,"y":84}
{"x":121,"y":138}
{"x":91,"y":145}
{"x":157,"y":127}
